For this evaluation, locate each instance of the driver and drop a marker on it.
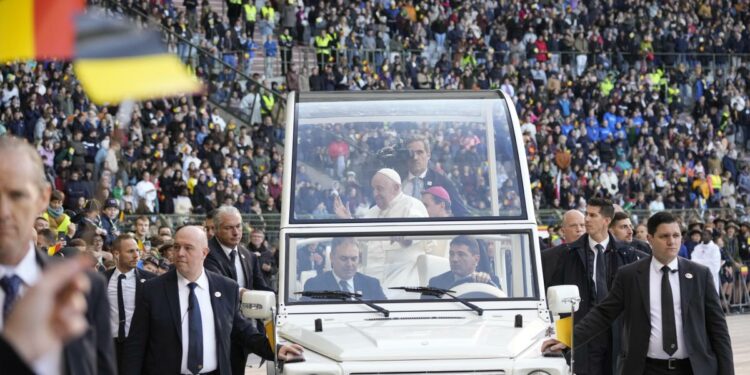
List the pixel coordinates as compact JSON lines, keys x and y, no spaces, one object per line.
{"x":464,"y":257}
{"x":344,"y":275}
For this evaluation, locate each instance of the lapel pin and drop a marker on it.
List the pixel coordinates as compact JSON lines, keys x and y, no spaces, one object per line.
{"x":242,"y":256}
{"x":143,"y":280}
{"x":217,"y":294}
{"x":688,"y":275}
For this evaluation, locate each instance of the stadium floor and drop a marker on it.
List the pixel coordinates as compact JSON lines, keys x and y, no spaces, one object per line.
{"x":739,"y":326}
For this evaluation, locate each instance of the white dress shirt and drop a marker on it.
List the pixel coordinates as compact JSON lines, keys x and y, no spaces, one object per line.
{"x":709,"y":255}
{"x":237,"y":264}
{"x":592,"y":246}
{"x":210,"y":355}
{"x":349,"y":282}
{"x":29,"y":271}
{"x":128,"y":298}
{"x":655,"y":348}
{"x":408,"y":187}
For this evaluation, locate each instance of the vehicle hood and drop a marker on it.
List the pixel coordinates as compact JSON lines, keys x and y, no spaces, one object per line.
{"x":416,"y":339}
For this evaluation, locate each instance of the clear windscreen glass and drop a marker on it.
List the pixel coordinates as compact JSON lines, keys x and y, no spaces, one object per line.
{"x":473,"y":266}
{"x":409,"y":159}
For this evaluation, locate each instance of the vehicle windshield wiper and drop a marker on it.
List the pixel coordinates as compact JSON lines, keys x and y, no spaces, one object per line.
{"x":438,"y":292}
{"x":339,"y":294}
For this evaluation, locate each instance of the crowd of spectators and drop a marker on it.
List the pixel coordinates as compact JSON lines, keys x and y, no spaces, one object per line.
{"x":603,"y":110}
{"x":645,"y":102}
{"x":175,"y":155}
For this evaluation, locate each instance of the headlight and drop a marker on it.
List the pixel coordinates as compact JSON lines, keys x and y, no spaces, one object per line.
{"x":539,"y":372}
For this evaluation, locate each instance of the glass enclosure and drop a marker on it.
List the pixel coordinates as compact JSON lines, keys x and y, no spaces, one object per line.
{"x":390,"y":160}
{"x":481,"y":266}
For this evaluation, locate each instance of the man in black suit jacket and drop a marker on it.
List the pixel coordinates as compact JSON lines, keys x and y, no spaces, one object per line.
{"x":26,"y":194}
{"x":574,"y":264}
{"x":672,"y":317}
{"x":35,"y":326}
{"x":464,"y":258}
{"x":572,"y":228}
{"x":187,"y":318}
{"x":344,"y":275}
{"x":420,"y":177}
{"x":126,"y":255}
{"x":229,"y":258}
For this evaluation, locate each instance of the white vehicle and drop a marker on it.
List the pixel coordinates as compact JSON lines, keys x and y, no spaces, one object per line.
{"x":379,"y":280}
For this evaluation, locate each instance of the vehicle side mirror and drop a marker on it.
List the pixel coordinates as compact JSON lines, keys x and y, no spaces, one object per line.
{"x":257,"y":304}
{"x":563,"y":299}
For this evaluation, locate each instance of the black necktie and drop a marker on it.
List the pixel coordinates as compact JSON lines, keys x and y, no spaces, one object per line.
{"x":120,"y":308}
{"x":232,"y":257}
{"x":11,"y":286}
{"x":590,"y":266}
{"x":601,"y":274}
{"x":669,"y":331}
{"x":195,"y":333}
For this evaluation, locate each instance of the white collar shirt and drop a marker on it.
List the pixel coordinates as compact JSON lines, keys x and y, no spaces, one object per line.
{"x":408,"y":186}
{"x":592,"y":246}
{"x":203,"y":294}
{"x":349,"y":282}
{"x":128,"y":298}
{"x":237,"y":264}
{"x":655,"y":349}
{"x":29,"y":271}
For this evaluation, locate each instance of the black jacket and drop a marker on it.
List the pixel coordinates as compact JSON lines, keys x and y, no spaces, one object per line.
{"x":218,"y":261}
{"x":155,"y":344}
{"x":141,"y":276}
{"x":703,"y":325}
{"x":566,"y":265}
{"x":93,"y":352}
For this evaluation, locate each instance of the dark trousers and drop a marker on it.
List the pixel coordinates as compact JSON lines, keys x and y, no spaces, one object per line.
{"x":662,"y":367}
{"x":119,"y":345}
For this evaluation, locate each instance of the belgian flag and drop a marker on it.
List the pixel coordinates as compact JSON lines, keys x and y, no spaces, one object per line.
{"x":113,"y":59}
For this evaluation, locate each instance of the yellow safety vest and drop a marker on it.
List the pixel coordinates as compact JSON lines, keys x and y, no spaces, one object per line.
{"x":322,"y":44}
{"x":267,"y":13}
{"x":235,"y":2}
{"x":285,"y":38}
{"x":268,"y":102}
{"x":715,"y":181}
{"x":250,"y":12}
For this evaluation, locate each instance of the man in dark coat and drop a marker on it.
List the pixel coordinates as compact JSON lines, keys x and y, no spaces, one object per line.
{"x":672,"y":318}
{"x":229,"y":258}
{"x":421,"y":177}
{"x":464,"y":255}
{"x":344,"y":275}
{"x":124,"y":287}
{"x":591,"y":263}
{"x":170,"y":335}
{"x":26,"y":194}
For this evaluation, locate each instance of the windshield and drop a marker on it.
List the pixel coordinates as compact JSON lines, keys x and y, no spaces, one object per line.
{"x":393,"y":159}
{"x":474,"y":266}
